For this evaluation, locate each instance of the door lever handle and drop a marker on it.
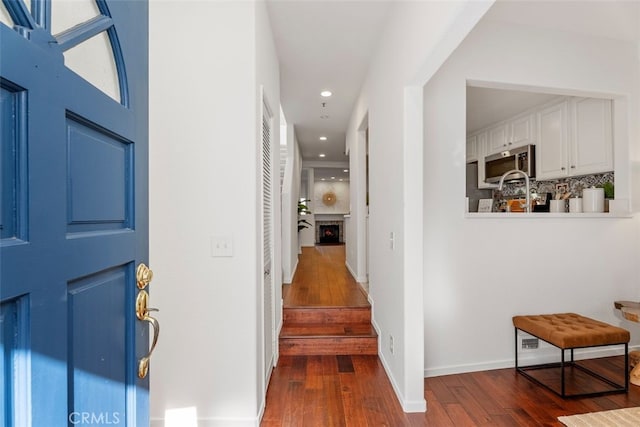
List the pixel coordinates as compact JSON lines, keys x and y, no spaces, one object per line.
{"x":143,"y":364}
{"x":142,"y":313}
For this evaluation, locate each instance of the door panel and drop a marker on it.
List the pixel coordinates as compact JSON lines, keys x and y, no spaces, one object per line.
{"x":99,"y":300}
{"x":11,"y":111}
{"x":73,"y":171}
{"x":100,"y":166}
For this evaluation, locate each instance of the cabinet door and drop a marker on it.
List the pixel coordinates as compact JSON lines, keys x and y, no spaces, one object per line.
{"x":472,"y":150}
{"x":498,"y":138}
{"x":592,"y":141}
{"x":481,"y":144}
{"x":551,"y":147}
{"x":522,"y":131}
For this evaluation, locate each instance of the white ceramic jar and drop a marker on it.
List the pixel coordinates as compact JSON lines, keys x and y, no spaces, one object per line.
{"x":593,"y":200}
{"x":575,"y":205}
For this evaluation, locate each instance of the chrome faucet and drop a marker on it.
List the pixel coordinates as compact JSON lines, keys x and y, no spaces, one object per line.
{"x":527,"y":208}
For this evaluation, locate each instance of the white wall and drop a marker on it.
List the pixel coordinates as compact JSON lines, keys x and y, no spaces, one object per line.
{"x":355,"y":224}
{"x":290,"y":196}
{"x":307,"y":235}
{"x":479,"y":273}
{"x":418,"y":38}
{"x":340,"y":189}
{"x":204,"y":130}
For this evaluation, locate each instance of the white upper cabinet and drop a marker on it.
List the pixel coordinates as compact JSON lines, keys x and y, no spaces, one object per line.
{"x":498,"y":138}
{"x":553,"y":137}
{"x":592,"y":139}
{"x":574,"y":138}
{"x":511,"y":134}
{"x":482,"y":140}
{"x":522,"y":131}
{"x":472,"y":149}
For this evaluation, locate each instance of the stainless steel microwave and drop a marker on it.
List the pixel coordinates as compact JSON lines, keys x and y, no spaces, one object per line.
{"x":521,"y":158}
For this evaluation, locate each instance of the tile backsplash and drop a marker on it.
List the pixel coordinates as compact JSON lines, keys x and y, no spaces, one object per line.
{"x":576,"y":185}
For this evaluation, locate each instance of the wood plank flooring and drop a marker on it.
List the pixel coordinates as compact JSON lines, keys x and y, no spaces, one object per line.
{"x":325,"y":311}
{"x":330,"y":390}
{"x":355,"y":391}
{"x":322,"y":279}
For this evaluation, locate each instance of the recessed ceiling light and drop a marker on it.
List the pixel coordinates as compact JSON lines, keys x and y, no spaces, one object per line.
{"x":346,"y":170}
{"x":323,"y":138}
{"x":321,"y":179}
{"x":340,"y":180}
{"x":321,"y":155}
{"x":333,"y":177}
{"x":326,"y":93}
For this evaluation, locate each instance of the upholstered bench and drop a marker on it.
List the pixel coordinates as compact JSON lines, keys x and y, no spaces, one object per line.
{"x":570,"y":331}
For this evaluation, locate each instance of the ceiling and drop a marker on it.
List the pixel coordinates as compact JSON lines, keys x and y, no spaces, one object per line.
{"x":328,"y":45}
{"x":488,"y":106}
{"x":324,"y":45}
{"x":616,"y":19}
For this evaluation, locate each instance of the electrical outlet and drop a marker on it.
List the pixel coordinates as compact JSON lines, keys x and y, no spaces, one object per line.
{"x":530,"y":343}
{"x":391,"y":343}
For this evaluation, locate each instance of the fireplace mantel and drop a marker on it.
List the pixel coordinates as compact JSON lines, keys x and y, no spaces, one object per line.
{"x":329,"y":217}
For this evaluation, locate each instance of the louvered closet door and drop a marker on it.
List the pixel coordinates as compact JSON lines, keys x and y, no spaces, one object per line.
{"x":267,"y":217}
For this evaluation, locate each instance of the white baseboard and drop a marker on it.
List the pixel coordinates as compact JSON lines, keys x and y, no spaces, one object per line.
{"x":408,"y":406}
{"x":289,"y":279}
{"x":526,"y":357}
{"x":357,"y":278}
{"x":215,"y":422}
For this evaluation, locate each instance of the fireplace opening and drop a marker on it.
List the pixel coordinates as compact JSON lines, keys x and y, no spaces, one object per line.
{"x":329,"y":233}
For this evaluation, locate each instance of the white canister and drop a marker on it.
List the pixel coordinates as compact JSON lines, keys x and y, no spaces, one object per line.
{"x":593,"y":200}
{"x":558,"y":206}
{"x":575,"y":205}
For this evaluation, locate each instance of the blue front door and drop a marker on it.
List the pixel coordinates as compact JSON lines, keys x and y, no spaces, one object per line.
{"x":73,"y":219}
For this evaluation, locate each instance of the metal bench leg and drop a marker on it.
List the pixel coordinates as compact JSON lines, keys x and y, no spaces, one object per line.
{"x":516,"y":346}
{"x":562,"y":372}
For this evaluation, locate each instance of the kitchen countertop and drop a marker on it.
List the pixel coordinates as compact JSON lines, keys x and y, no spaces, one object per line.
{"x":536,"y":215}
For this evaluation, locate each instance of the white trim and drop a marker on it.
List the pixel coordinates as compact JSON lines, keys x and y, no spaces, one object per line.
{"x":321,"y":164}
{"x":289,"y":279}
{"x":216,"y":422}
{"x":546,"y":355}
{"x":413,"y":241}
{"x":359,"y":279}
{"x":267,"y":361}
{"x":407,"y":405}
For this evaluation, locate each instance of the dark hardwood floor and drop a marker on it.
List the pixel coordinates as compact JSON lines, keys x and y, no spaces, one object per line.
{"x":329,"y":390}
{"x":355,"y":391}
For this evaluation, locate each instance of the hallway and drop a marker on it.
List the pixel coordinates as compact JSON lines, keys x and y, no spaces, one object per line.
{"x":330,"y":390}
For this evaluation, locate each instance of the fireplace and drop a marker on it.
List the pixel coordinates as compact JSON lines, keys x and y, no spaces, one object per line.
{"x":329,"y":232}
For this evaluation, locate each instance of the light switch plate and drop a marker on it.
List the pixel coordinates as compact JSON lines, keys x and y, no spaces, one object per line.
{"x":221,"y":246}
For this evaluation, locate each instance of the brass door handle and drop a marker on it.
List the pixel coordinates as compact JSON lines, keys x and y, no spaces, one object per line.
{"x":142,"y":313}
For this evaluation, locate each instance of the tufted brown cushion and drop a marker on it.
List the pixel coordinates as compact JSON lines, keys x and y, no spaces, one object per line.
{"x":570,"y":330}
